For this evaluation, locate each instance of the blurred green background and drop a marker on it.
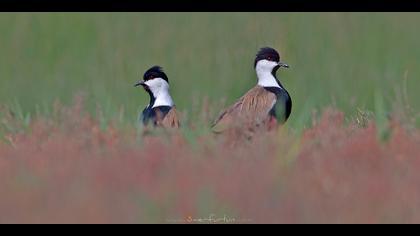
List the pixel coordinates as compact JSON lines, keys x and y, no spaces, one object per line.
{"x":336,"y":58}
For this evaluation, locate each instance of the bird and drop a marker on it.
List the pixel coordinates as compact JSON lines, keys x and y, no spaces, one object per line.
{"x":265,"y":105}
{"x":160,"y":111}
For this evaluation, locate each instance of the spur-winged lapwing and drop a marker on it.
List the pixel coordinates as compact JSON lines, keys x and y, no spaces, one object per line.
{"x":161,"y":110}
{"x":267,"y":104}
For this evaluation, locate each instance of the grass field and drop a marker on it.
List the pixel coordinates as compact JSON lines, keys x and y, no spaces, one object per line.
{"x":71,"y":150}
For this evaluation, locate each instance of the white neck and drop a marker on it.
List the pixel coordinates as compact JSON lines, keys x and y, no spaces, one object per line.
{"x":160,"y":91}
{"x":266,"y":79}
{"x":163,"y":98}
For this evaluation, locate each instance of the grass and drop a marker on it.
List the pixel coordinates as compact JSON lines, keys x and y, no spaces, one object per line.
{"x":335,"y":58}
{"x":71,"y":149}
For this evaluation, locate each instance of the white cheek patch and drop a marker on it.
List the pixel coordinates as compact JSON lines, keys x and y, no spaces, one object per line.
{"x":154,"y":83}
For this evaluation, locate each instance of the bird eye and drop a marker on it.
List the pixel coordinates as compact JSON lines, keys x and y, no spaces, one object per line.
{"x":269,"y":58}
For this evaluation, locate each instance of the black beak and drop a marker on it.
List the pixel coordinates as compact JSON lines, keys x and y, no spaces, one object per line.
{"x":141,"y":82}
{"x":282,"y":64}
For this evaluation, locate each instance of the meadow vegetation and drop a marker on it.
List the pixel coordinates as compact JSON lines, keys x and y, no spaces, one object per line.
{"x":71,"y":149}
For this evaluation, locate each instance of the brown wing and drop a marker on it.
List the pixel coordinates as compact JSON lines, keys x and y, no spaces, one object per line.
{"x":252,"y":108}
{"x":171,"y":119}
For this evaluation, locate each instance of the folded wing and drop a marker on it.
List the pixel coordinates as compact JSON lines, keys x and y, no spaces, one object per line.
{"x":170,"y":120}
{"x":251,"y":109}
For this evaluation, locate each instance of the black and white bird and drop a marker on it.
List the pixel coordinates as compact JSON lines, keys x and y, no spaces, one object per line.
{"x":265,"y":105}
{"x":161,"y":109}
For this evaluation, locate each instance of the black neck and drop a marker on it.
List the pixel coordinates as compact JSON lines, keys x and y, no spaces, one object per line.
{"x":152,"y":98}
{"x":273,"y":72}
